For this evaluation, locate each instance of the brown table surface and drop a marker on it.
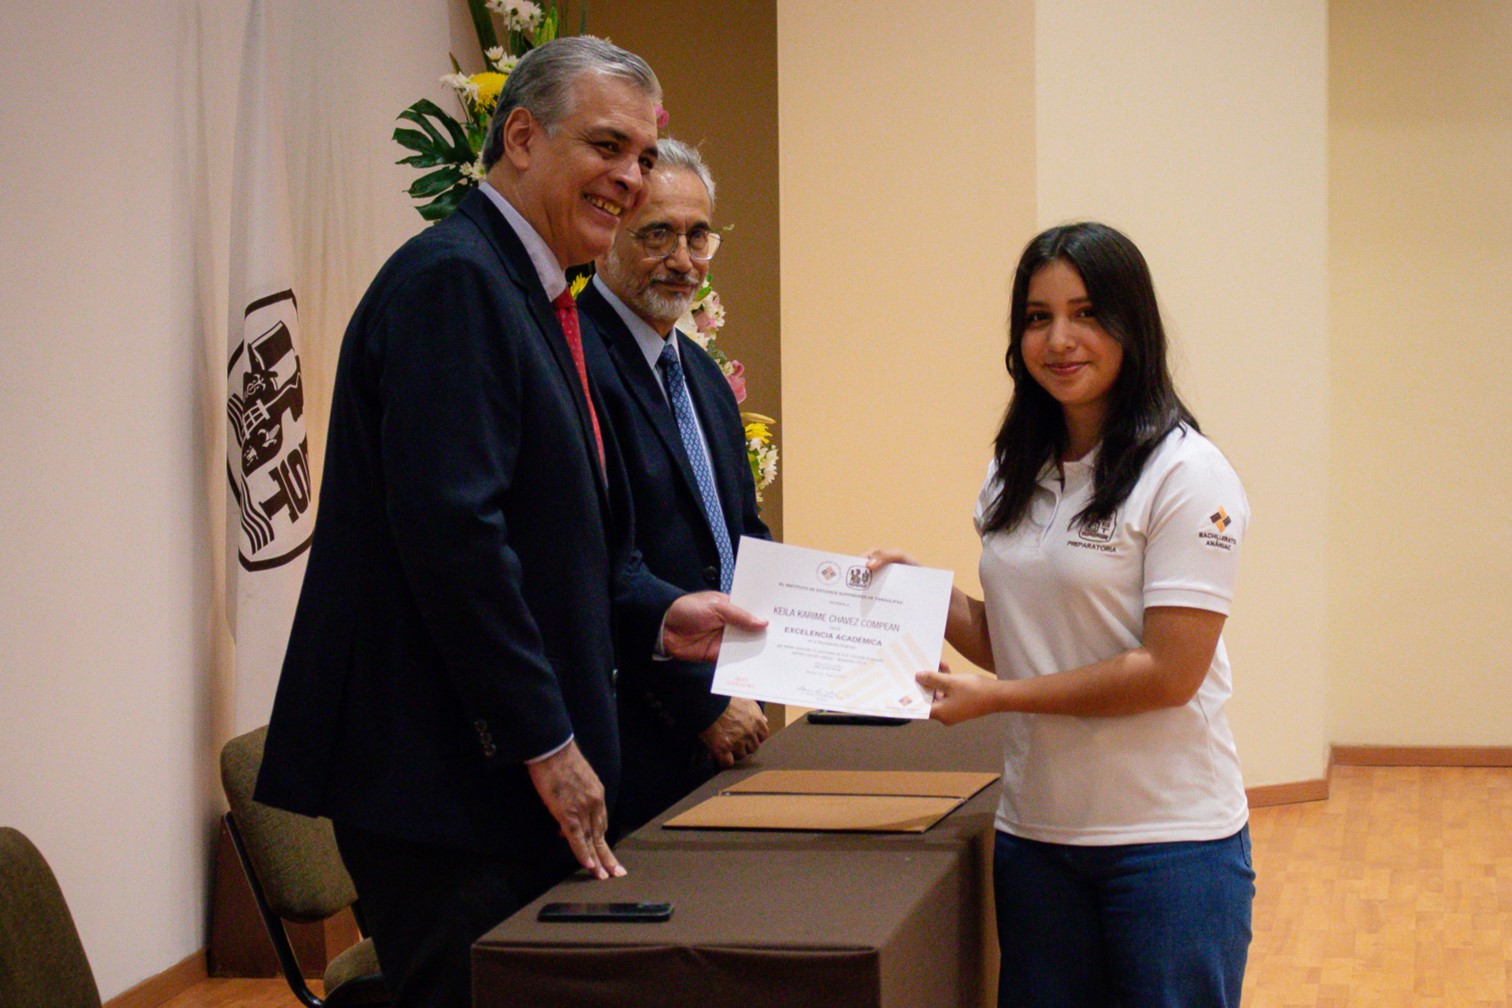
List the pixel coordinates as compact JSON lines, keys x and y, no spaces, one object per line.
{"x":780,"y":918}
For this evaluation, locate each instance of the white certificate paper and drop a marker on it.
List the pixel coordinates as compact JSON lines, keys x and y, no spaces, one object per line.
{"x":839,"y":636}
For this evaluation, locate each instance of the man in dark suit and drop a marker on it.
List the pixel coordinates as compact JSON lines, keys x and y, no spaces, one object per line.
{"x":448,"y":694}
{"x":679,"y":427}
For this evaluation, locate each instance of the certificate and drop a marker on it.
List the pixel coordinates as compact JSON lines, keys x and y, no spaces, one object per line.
{"x":839,"y":636}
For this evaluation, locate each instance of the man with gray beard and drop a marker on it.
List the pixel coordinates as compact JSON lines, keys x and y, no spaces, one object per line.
{"x":683,"y":442}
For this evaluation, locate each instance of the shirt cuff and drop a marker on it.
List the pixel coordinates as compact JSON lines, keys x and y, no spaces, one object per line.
{"x":659,"y":653}
{"x":547,"y":755}
{"x":1186,"y":598}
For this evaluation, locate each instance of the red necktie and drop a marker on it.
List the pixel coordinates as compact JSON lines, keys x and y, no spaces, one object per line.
{"x":566,"y":309}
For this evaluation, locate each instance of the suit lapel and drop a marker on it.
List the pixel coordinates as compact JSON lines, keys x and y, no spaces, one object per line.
{"x":522,"y":273}
{"x":644,"y":387}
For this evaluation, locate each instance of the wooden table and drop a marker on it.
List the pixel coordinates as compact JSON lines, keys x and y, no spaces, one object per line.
{"x":781,"y":918}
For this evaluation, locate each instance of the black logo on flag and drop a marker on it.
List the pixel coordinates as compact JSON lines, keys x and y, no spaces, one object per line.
{"x":269,"y":465}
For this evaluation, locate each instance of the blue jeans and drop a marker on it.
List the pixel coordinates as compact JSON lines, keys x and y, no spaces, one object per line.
{"x":1156,"y":925}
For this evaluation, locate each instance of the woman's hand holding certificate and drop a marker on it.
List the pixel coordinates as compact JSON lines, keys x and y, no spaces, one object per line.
{"x":840,"y":636}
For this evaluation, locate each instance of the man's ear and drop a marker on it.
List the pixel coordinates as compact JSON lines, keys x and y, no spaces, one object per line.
{"x":520,"y":129}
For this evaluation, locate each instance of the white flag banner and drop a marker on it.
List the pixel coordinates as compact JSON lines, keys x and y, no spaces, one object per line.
{"x":269,"y":509}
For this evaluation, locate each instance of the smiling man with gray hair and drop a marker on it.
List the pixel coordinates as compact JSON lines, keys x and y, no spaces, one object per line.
{"x":447,"y":699}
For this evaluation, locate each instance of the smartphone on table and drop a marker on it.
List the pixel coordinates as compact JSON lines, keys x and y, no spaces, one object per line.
{"x":605,"y":912}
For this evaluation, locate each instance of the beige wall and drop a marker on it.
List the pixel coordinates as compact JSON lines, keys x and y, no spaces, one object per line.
{"x":1420,"y":523}
{"x":103,"y":571}
{"x":1200,"y":131}
{"x":907,"y":186}
{"x":113,"y":690}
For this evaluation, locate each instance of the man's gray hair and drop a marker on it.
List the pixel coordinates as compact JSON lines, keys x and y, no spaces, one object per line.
{"x":541,"y":83}
{"x":672,"y":153}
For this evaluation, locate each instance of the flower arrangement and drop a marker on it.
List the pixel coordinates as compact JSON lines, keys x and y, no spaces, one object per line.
{"x":449,"y":149}
{"x":702,"y":322}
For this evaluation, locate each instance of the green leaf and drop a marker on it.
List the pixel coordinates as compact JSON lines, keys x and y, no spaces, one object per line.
{"x":548,"y":29}
{"x":422,"y":112}
{"x":430,"y":130}
{"x":483,"y":25}
{"x":416,"y":141}
{"x":424,"y":107}
{"x":458,"y":134}
{"x":444,"y":204}
{"x":436,"y":182}
{"x":424,"y":160}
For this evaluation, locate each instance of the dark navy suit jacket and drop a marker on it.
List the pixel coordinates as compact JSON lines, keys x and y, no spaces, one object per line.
{"x":664,"y":705}
{"x":468,"y":565}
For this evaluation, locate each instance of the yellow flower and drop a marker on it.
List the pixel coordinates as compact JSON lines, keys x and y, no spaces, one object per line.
{"x":579,"y":283}
{"x":758,"y":432}
{"x":489,"y":85}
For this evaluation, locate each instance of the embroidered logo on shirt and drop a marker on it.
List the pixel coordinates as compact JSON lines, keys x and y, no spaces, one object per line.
{"x":1099,"y":531}
{"x":1217,"y":540}
{"x":1096,"y":535}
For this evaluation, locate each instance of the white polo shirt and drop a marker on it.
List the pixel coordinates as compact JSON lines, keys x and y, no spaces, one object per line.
{"x":1060,"y":596}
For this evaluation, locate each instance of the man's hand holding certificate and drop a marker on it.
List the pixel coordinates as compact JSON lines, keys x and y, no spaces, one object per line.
{"x":840,"y":636}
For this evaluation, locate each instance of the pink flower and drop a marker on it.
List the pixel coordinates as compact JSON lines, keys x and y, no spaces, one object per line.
{"x":736,"y":378}
{"x":662,"y":118}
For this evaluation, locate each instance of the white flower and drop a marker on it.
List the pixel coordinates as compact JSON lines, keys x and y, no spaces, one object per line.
{"x":517,"y":14}
{"x":688,"y":326}
{"x":505,"y":64}
{"x":768,"y":456}
{"x":494,"y":55}
{"x":710,"y":311}
{"x":458,"y":82}
{"x":474,"y":171}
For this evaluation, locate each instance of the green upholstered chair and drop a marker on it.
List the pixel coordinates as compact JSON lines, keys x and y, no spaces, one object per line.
{"x":42,"y":961}
{"x":296,"y":875}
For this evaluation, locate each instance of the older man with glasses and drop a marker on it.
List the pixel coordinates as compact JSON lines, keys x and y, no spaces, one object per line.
{"x":684,"y":446}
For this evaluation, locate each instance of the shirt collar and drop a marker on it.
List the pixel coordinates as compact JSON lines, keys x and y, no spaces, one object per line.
{"x":1051,"y":471}
{"x":649,"y":340}
{"x":553,"y":277}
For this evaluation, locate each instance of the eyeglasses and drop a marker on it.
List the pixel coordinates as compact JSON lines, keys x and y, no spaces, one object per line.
{"x":661,"y":241}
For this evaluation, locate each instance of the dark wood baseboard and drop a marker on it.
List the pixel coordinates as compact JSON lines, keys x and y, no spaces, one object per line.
{"x":170,"y":983}
{"x":1443,"y":756}
{"x":1377,"y":755}
{"x":1288,"y":793}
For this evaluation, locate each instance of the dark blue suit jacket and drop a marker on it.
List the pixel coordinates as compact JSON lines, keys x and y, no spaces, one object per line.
{"x":468,"y":562}
{"x":664,"y":705}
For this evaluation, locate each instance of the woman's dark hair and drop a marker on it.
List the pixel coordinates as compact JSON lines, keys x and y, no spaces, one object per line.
{"x":1144,"y":407}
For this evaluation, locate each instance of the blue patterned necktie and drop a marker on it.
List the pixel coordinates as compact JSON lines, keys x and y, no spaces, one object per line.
{"x":682,"y":412}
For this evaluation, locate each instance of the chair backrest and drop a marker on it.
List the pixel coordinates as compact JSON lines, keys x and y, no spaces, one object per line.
{"x":42,"y":961}
{"x":294,"y":856}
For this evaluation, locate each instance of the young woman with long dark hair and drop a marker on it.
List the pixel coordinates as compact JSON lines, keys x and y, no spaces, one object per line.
{"x":1110,"y":532}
